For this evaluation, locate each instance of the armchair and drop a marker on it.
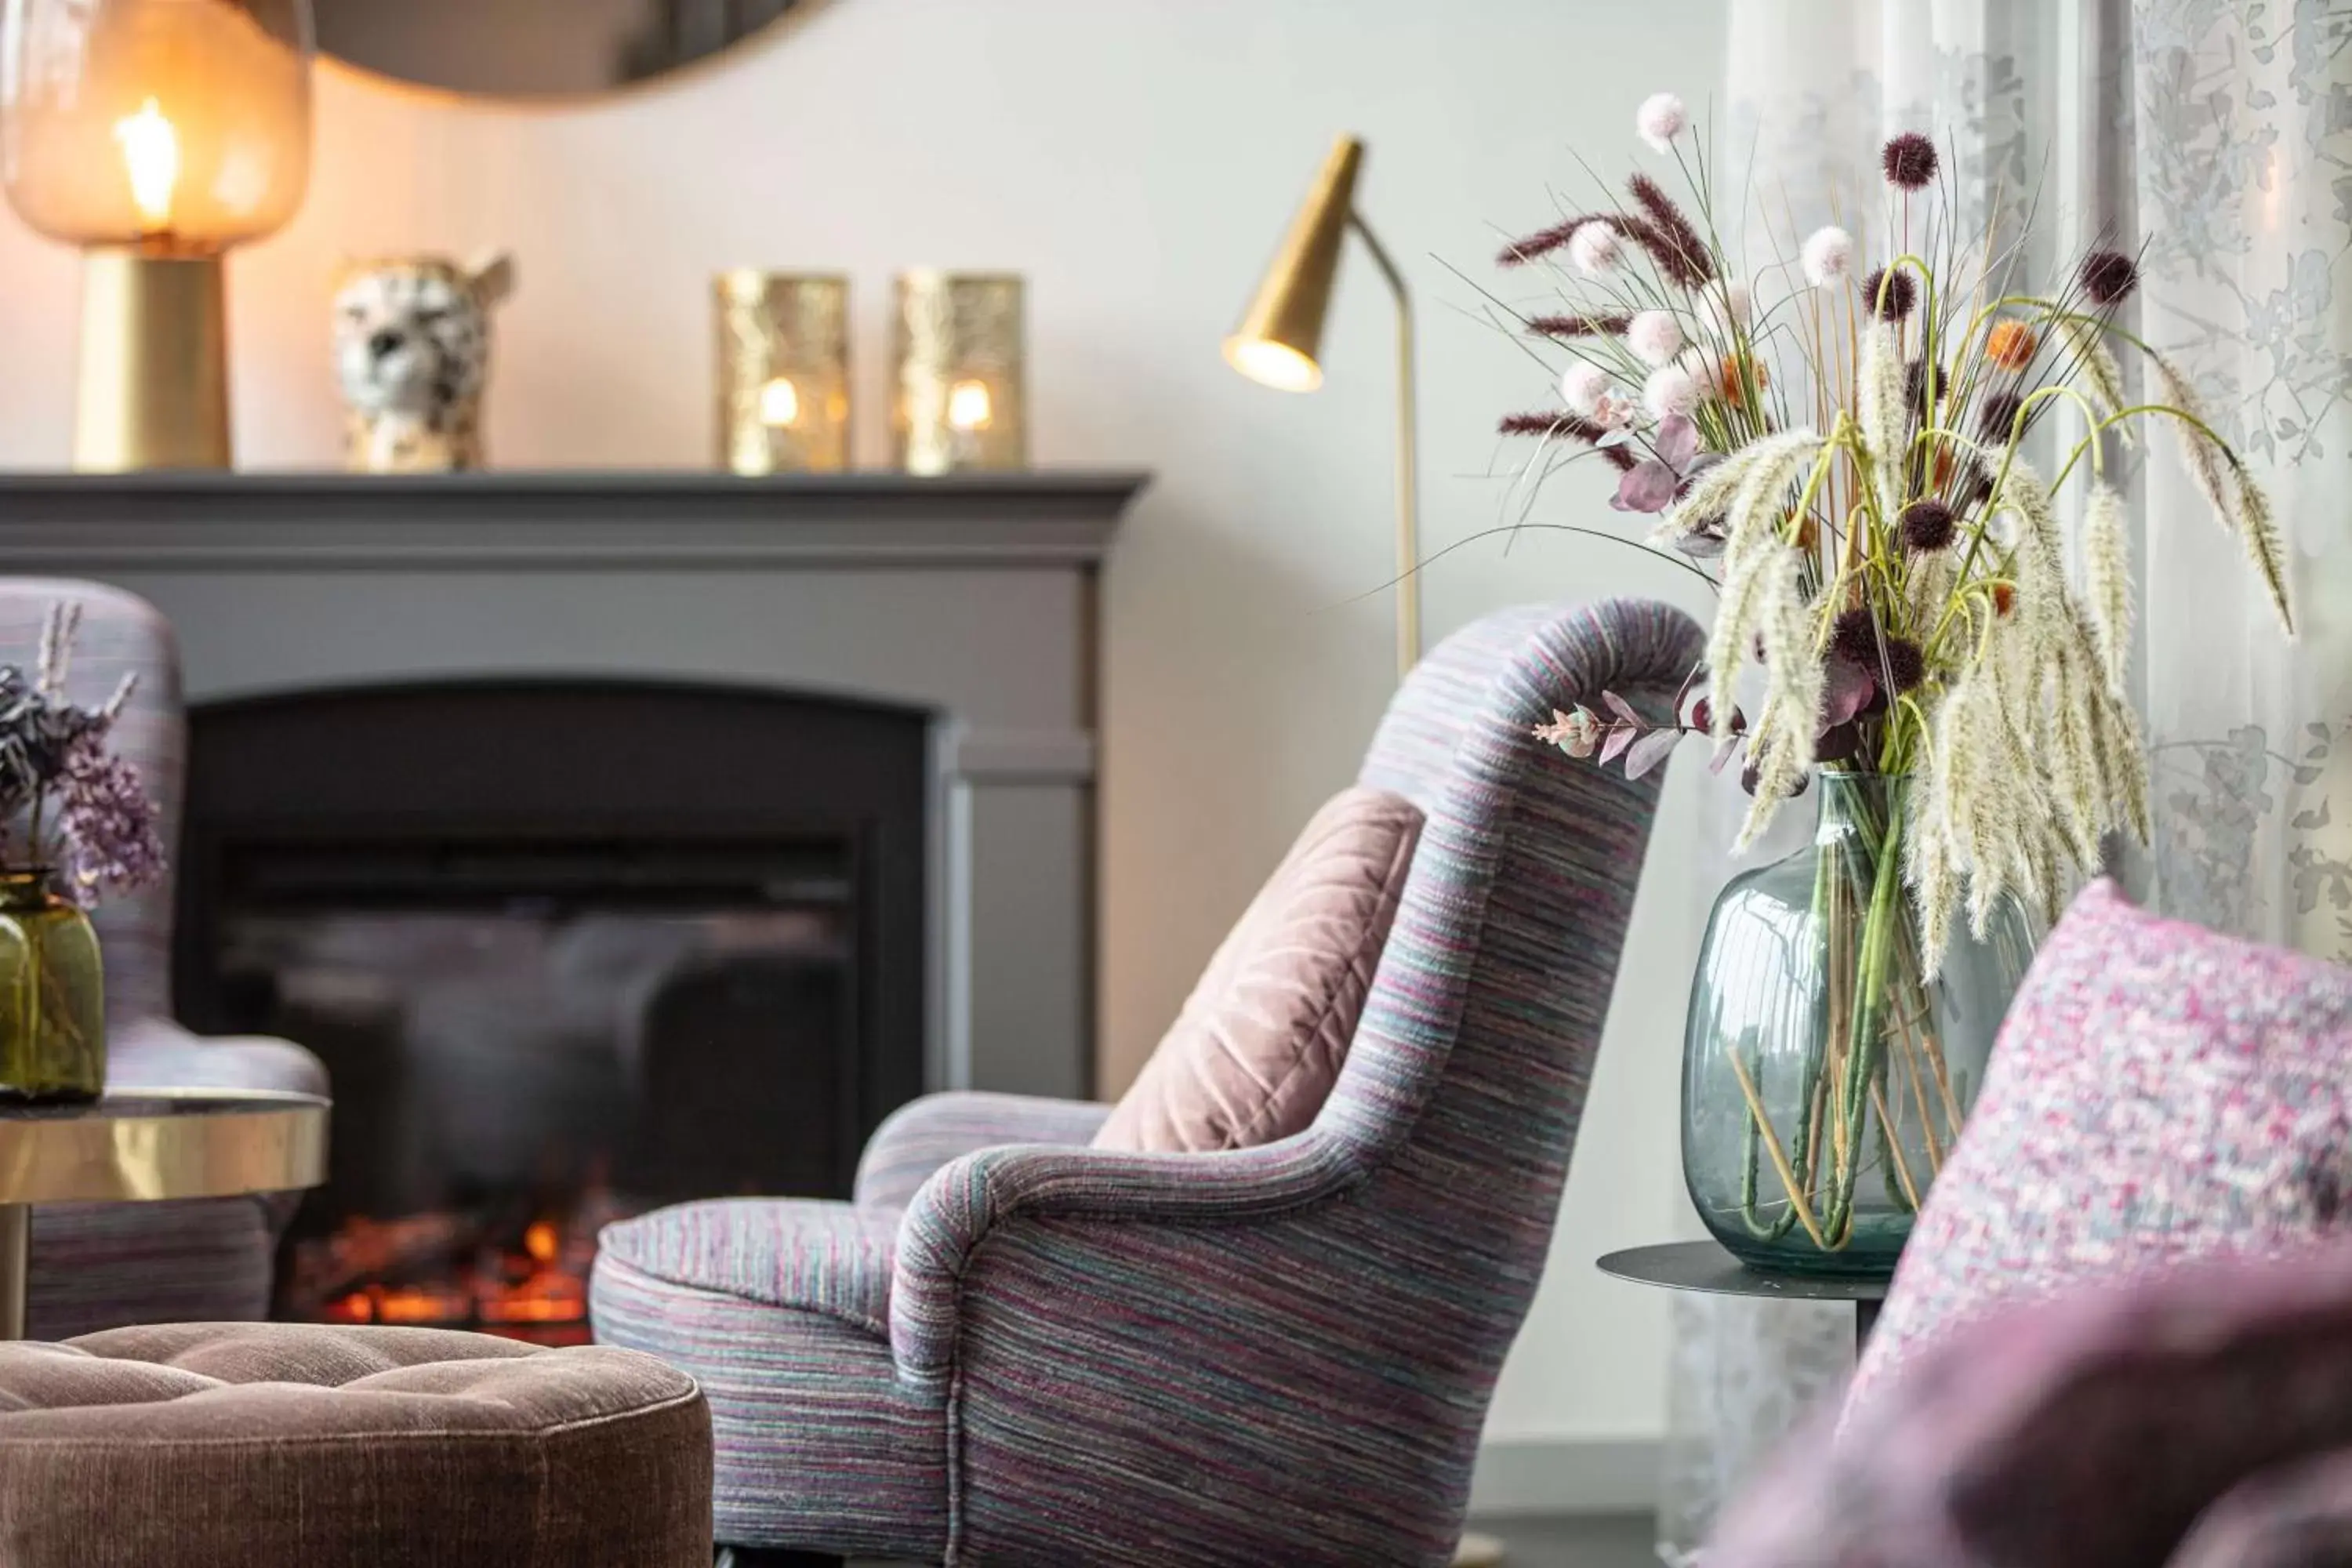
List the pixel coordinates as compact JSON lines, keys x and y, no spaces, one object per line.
{"x":1056,"y":1355}
{"x":105,"y":1266}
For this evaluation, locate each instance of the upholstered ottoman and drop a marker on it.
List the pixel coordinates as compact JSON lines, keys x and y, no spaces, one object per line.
{"x":285,"y":1445}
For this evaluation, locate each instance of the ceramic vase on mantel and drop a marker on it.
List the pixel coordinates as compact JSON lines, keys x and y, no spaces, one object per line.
{"x":52,"y":995}
{"x":1825,"y":1075}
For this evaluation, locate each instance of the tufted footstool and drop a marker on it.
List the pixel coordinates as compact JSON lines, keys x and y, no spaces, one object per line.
{"x":287,"y":1446}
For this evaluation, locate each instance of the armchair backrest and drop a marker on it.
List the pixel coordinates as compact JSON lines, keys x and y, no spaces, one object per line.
{"x":1466,"y":1080}
{"x":120,"y":633}
{"x":1362,"y":1280}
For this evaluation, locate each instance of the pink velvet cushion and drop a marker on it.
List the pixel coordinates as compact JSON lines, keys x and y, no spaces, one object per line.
{"x":2093,"y":1429}
{"x":1259,"y":1044}
{"x":2159,"y":1092}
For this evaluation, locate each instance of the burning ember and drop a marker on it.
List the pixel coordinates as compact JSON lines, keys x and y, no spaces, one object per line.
{"x":447,"y":1270}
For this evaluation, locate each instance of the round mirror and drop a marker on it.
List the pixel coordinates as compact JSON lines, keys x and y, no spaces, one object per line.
{"x":536,"y":48}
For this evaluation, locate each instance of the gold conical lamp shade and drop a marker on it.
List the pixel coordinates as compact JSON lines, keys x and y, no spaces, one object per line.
{"x":1279,"y":335}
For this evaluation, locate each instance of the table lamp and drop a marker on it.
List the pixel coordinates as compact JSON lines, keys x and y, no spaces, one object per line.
{"x":155,"y":134}
{"x":1277,"y":341}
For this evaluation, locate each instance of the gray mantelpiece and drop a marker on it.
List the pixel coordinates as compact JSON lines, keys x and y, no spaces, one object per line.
{"x":973,"y":596}
{"x":561,"y":521}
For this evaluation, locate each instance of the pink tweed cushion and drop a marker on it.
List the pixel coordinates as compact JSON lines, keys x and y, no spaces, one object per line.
{"x":1258,"y":1046}
{"x":2159,"y":1092}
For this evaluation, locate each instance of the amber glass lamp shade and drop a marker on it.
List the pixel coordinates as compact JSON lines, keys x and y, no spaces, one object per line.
{"x":173,"y":127}
{"x":156,"y":134}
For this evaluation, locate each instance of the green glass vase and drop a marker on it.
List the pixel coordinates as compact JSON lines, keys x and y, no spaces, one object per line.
{"x":1825,"y":1072}
{"x":52,"y":995}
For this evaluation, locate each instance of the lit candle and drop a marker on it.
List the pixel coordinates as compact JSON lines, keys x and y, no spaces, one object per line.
{"x":150,"y":156}
{"x":780,"y":403}
{"x":968,"y":405}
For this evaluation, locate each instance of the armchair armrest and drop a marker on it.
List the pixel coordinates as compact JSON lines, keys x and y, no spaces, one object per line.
{"x":978,"y":1195}
{"x":923,"y":1135}
{"x":157,"y":1052}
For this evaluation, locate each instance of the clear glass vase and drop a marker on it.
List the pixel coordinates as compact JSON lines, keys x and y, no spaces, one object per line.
{"x":52,"y":995}
{"x":1824,"y":1075}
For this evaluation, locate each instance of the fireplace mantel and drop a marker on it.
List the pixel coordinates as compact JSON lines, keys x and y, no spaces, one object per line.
{"x":579,"y":520}
{"x":972,"y":597}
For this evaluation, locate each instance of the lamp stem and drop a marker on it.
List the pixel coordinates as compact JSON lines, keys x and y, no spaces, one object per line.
{"x":1408,"y":519}
{"x":153,"y":390}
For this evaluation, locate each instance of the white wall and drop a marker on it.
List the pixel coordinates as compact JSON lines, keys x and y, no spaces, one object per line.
{"x":1135,"y":159}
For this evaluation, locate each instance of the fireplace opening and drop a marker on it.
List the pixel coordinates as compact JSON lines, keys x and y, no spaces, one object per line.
{"x":569,"y":951}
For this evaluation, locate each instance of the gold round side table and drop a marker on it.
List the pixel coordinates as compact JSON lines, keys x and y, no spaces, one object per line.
{"x":143,"y":1146}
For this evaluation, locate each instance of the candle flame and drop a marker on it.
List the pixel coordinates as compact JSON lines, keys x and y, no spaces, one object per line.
{"x":150,"y":156}
{"x":780,"y":403}
{"x":968,"y":405}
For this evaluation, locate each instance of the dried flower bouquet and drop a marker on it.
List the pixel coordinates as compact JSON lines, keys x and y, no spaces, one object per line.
{"x":1845,"y":463}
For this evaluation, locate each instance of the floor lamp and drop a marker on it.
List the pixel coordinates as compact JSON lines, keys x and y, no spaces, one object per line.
{"x":1277,"y":341}
{"x":1276,"y":346}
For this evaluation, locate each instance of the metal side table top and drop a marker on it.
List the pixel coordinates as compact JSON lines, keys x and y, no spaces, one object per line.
{"x":1706,"y":1268}
{"x":143,"y":1146}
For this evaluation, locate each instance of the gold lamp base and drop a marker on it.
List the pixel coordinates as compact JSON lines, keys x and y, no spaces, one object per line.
{"x":155,"y":364}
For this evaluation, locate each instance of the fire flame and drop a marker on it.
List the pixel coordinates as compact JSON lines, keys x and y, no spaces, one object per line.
{"x":150,"y":156}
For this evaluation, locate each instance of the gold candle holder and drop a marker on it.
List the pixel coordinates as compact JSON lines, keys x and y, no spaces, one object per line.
{"x":783,"y":371}
{"x":961,"y":401}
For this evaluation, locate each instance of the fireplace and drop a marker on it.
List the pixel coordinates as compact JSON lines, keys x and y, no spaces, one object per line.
{"x":570,"y":949}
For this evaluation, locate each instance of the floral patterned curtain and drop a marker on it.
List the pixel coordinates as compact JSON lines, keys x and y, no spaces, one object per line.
{"x":2244,"y":166}
{"x":2218,"y":132}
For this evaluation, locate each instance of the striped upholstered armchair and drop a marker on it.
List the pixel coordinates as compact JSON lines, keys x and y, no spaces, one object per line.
{"x":1011,"y":1348}
{"x":105,"y":1266}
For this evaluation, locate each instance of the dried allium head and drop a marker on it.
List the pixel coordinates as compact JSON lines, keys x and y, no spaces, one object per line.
{"x":1889,"y":295}
{"x":2108,"y":276}
{"x":1857,"y":638}
{"x":1997,"y":419}
{"x":1828,"y":255}
{"x":1728,"y":309}
{"x":1582,"y":385}
{"x":1927,"y":525}
{"x":1670,"y":390}
{"x":1660,"y":119}
{"x":1855,"y":635}
{"x":1596,"y":250}
{"x":1909,"y":161}
{"x":2011,"y":345}
{"x":1906,"y":664}
{"x":1922,"y":381}
{"x":1654,"y":336}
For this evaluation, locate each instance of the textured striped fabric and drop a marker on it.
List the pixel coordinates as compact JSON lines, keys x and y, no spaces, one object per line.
{"x":918,"y":1138}
{"x":1275,"y":1354}
{"x":107,"y":1266}
{"x":2159,"y":1092}
{"x":819,"y":1447}
{"x":833,"y":1258}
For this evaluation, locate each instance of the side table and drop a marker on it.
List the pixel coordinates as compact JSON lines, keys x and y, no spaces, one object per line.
{"x":144,"y":1146}
{"x":1704,"y":1266}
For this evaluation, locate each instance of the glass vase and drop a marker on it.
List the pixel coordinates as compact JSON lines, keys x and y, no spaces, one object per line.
{"x":52,"y":995}
{"x":1825,"y":1075}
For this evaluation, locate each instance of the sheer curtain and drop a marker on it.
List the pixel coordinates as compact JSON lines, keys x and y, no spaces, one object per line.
{"x":2219,"y":133}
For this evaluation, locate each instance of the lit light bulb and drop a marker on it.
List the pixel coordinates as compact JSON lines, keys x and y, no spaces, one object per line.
{"x":150,"y":156}
{"x":968,"y":405}
{"x":780,"y":403}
